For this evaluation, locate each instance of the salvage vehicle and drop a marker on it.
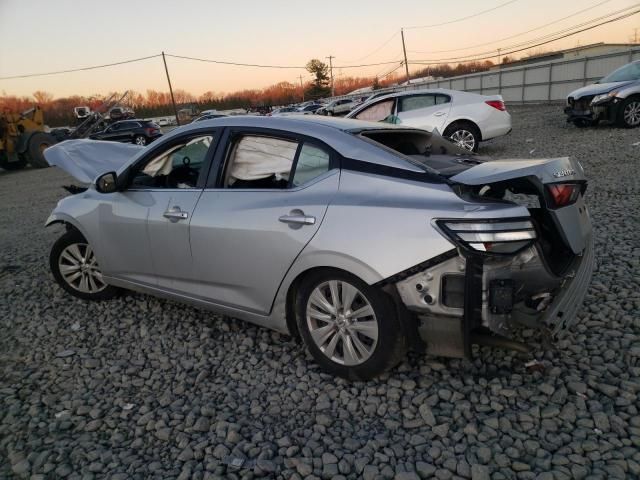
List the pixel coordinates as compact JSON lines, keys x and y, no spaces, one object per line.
{"x":363,"y":239}
{"x":465,"y":118}
{"x":337,"y":107}
{"x":615,"y":98}
{"x":140,"y":132}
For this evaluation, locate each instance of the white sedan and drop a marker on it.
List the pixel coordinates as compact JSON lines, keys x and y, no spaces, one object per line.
{"x":465,"y":118}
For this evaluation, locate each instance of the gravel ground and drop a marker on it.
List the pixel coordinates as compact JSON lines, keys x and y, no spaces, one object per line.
{"x":145,"y":388}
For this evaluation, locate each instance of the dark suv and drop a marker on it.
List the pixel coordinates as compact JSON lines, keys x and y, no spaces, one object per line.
{"x":140,"y":132}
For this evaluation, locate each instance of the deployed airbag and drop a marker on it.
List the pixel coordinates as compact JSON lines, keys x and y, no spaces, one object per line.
{"x":256,"y":158}
{"x":86,"y":159}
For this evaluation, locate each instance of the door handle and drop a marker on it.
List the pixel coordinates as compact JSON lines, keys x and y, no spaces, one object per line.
{"x":175,"y":213}
{"x":298,"y":219}
{"x":438,"y":114}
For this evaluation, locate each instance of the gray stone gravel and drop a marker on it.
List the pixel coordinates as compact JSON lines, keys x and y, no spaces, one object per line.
{"x":145,"y":388}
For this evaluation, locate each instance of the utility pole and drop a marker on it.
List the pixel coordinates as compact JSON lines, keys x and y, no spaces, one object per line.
{"x":173,"y":100}
{"x":498,"y":57}
{"x":302,"y":88}
{"x":634,"y":39}
{"x":333,"y":90}
{"x":404,"y":50}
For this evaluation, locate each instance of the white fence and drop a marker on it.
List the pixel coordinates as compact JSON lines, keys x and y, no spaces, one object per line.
{"x":538,"y":82}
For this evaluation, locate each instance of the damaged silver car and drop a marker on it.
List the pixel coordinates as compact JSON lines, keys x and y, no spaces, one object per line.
{"x":615,"y":99}
{"x":362,"y":239}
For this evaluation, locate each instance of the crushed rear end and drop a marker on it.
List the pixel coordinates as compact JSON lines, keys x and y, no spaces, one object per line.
{"x":506,"y":273}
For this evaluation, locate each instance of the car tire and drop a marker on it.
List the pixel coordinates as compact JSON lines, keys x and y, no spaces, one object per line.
{"x":140,"y":140}
{"x":71,"y":255}
{"x":629,"y":113}
{"x":355,"y":347}
{"x":38,"y":142}
{"x":464,"y":134}
{"x":329,"y":113}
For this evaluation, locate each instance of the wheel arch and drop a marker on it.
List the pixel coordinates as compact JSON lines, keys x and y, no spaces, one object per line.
{"x":68,"y":221}
{"x":463,"y":120}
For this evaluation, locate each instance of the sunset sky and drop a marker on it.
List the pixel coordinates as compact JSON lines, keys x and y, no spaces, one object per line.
{"x":41,"y":36}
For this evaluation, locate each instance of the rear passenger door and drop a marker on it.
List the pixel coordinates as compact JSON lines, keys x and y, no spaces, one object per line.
{"x":266,"y":202}
{"x":127,"y":131}
{"x":426,"y":111}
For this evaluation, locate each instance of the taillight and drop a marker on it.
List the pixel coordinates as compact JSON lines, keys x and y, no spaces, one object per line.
{"x":497,"y":104}
{"x":490,"y":236}
{"x":150,"y":130}
{"x":564,"y":194}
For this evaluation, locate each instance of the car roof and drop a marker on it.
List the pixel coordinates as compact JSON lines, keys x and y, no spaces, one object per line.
{"x":338,"y":133}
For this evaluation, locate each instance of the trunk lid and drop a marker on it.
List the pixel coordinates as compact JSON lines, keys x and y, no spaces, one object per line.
{"x":513,"y":178}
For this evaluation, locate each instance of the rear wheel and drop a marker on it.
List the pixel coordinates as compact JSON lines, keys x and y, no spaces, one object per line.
{"x":629,"y":113}
{"x":464,"y":134}
{"x":75,"y":268}
{"x":140,"y":140}
{"x":350,"y":328}
{"x":38,"y":143}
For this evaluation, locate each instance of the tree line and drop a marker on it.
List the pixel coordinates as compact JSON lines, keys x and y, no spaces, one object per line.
{"x":153,"y":103}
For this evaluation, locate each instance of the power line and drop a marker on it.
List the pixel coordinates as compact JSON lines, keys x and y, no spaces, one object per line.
{"x":206,"y":60}
{"x":463,"y":18}
{"x":621,"y":17}
{"x":516,"y":35}
{"x":81,"y":69}
{"x":543,"y":37}
{"x":377,"y":49}
{"x":237,"y":64}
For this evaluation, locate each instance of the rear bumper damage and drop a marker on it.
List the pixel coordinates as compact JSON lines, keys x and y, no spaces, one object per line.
{"x":467,"y":298}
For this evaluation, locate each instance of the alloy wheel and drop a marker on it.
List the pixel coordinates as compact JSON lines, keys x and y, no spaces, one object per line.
{"x":631,"y":114}
{"x":79,"y":268}
{"x":141,"y":141}
{"x":464,"y":139}
{"x":342,"y":322}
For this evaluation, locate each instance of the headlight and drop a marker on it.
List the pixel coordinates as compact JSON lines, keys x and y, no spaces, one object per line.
{"x":604,"y":96}
{"x":490,"y":236}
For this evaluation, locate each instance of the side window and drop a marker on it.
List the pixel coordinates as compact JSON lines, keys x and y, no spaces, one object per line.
{"x":177,"y":167}
{"x":377,"y":112}
{"x":256,"y":161}
{"x":312,"y":162}
{"x":416,"y":102}
{"x":114,"y":128}
{"x":440,"y":99}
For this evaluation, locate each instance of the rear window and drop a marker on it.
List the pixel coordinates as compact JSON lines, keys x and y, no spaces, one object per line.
{"x":415,"y":146}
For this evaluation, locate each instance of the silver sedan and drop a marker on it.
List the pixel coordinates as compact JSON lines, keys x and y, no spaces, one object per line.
{"x":362,"y":239}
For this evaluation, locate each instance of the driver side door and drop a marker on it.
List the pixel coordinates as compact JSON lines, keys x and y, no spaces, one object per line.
{"x":148,"y":226}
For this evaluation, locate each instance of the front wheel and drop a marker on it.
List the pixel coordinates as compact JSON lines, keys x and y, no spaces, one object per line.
{"x":350,"y":328}
{"x":75,"y":268}
{"x":140,"y":140}
{"x":629,"y":113}
{"x":464,"y":135}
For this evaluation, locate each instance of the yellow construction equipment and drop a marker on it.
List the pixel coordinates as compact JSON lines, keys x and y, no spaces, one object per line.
{"x":23,"y":139}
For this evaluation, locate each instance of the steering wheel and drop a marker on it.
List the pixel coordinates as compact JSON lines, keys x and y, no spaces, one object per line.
{"x":182,"y":174}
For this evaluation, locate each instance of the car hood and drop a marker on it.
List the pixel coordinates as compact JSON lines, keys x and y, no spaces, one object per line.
{"x":86,"y":159}
{"x":597,"y":89}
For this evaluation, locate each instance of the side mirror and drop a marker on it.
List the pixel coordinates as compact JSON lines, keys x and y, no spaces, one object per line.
{"x":107,"y":183}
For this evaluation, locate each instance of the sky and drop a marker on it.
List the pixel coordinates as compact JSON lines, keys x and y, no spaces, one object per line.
{"x":44,"y":35}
